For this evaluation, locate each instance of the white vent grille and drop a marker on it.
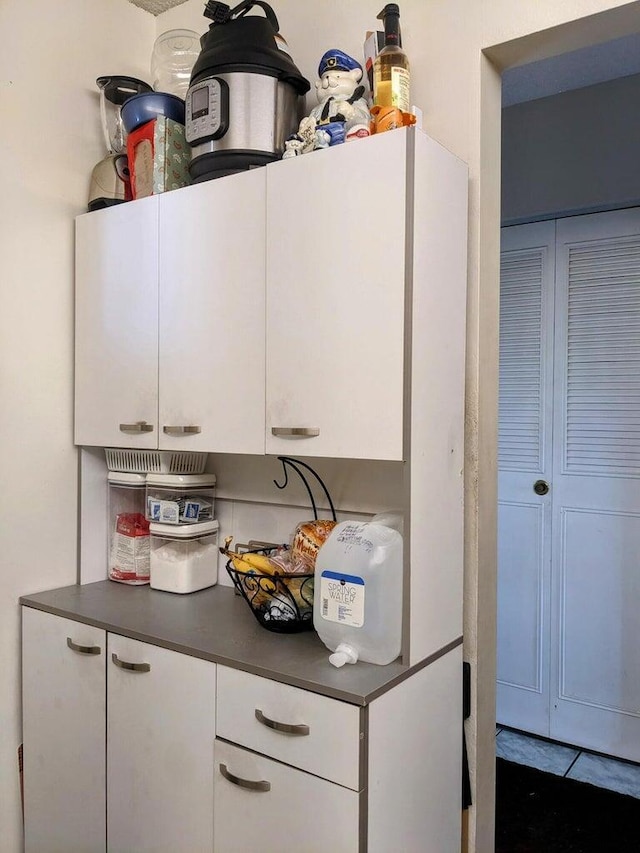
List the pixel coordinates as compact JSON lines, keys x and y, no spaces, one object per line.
{"x":521,"y":362}
{"x":155,"y":461}
{"x":602,"y":418}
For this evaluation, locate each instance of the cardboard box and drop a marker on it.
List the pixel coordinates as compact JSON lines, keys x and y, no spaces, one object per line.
{"x":159,"y":157}
{"x":373,"y":44}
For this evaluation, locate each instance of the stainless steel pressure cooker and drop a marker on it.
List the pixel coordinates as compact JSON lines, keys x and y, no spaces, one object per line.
{"x":245,"y":96}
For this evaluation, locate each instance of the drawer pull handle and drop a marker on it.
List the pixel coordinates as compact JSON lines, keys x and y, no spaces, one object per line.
{"x":131,"y":667}
{"x":83,"y":650}
{"x":139,"y":426}
{"x":244,"y":783}
{"x":285,"y":728}
{"x":295,"y":432}
{"x":181,"y":430}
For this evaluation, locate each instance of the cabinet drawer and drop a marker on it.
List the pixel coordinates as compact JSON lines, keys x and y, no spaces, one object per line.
{"x":263,"y":805}
{"x":308,"y":731}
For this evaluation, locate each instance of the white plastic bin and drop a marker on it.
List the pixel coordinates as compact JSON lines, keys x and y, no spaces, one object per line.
{"x":180,"y":498}
{"x":184,"y":558}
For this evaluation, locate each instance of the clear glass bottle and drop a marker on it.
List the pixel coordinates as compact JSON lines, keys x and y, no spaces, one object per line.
{"x":391,"y":74}
{"x":174,"y":55}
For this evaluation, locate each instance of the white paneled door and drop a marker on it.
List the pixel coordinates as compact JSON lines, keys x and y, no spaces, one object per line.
{"x":524,"y":454}
{"x":584,"y":606}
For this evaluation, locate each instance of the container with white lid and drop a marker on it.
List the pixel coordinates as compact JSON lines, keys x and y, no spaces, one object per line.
{"x":128,"y":539}
{"x":184,"y":558}
{"x":180,"y":498}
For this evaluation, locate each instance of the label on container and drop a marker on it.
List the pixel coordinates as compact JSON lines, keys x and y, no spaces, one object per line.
{"x":400,"y":80}
{"x":342,"y":598}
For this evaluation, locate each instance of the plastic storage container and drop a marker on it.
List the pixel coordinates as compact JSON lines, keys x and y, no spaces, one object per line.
{"x":174,"y":55}
{"x":128,"y":540}
{"x":357,"y":608}
{"x":180,"y":498}
{"x":184,"y":558}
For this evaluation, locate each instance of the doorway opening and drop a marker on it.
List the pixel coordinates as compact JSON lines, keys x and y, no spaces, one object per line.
{"x":569,"y":426}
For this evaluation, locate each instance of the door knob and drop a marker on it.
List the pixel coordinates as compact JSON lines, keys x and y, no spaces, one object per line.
{"x":540,"y":487}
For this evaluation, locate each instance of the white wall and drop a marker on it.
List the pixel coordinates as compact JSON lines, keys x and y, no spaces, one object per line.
{"x":50,"y":138}
{"x":459,"y":90}
{"x":576,"y":152}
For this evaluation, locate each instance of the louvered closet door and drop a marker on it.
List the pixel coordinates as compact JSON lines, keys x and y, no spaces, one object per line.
{"x":524,"y":544}
{"x":595,"y":666}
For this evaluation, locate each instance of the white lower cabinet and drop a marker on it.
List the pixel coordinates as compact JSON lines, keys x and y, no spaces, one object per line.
{"x":160,"y":733}
{"x":202,"y":757}
{"x":63,"y":719}
{"x":305,"y":795}
{"x":264,"y":806}
{"x":156,"y":708}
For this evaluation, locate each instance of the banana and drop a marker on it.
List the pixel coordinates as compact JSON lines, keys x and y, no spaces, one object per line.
{"x":249,"y":563}
{"x":261,"y":563}
{"x":242,"y":565}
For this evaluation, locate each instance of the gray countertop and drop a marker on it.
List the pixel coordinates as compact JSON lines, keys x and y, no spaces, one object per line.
{"x":216,"y":624}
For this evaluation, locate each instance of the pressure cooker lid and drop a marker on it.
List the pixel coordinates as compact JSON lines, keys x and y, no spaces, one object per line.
{"x":240,"y":42}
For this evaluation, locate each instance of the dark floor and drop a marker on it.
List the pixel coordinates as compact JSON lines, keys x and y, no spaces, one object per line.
{"x":540,"y":812}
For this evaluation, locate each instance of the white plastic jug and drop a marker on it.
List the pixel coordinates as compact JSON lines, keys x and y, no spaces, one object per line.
{"x":357,"y":608}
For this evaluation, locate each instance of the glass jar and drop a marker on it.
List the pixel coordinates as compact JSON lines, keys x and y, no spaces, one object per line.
{"x":174,"y":55}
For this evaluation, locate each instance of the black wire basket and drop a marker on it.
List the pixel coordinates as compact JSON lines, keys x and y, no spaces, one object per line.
{"x":281,"y":603}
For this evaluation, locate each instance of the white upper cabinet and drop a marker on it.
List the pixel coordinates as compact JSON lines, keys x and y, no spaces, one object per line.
{"x":170,"y":298}
{"x":304,"y":307}
{"x":116,"y":350}
{"x":336,"y":244}
{"x":212,"y":294}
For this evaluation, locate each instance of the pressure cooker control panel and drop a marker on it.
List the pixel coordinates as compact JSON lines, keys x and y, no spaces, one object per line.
{"x":206,"y":111}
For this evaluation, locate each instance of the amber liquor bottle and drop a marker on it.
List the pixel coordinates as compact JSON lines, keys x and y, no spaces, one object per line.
{"x":391,"y":75}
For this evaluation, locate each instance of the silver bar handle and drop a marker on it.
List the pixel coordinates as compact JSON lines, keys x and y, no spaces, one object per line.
{"x":83,"y":650}
{"x":181,"y":430}
{"x":295,"y":432}
{"x":285,"y":728}
{"x":138,"y":426}
{"x":131,"y":667}
{"x":244,"y":783}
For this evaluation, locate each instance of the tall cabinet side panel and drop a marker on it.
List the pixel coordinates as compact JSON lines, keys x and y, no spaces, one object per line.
{"x":438,"y":329}
{"x":415,"y":762}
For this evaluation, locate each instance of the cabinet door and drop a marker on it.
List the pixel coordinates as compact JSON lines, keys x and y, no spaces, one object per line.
{"x":63,"y":714}
{"x":264,"y":805}
{"x":160,"y":733}
{"x":336,"y":232}
{"x":116,"y":355}
{"x":212,"y":283}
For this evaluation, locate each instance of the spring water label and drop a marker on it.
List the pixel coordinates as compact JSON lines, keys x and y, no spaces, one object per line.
{"x":342,"y":598}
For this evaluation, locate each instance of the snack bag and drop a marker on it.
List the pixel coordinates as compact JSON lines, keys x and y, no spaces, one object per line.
{"x":130,"y":549}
